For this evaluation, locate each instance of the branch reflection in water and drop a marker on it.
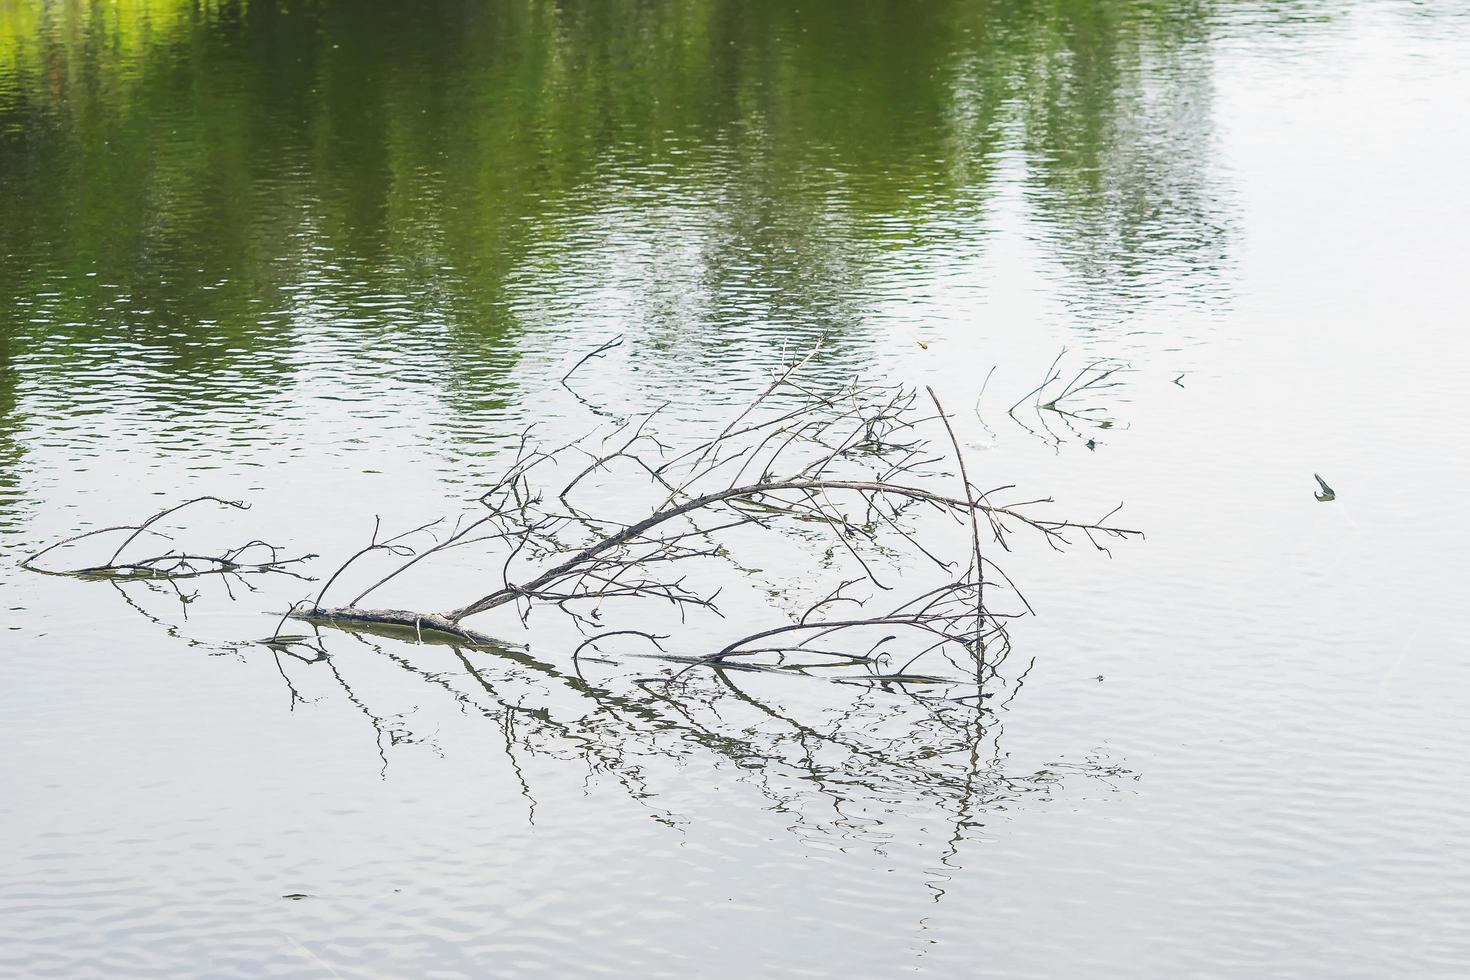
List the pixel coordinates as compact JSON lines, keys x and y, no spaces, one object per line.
{"x":828,"y":762}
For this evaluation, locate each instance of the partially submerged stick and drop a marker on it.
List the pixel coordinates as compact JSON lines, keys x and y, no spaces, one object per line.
{"x":253,"y":557}
{"x":418,"y":622}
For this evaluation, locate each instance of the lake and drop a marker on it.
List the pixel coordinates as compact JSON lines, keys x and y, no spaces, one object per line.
{"x":332,"y":261}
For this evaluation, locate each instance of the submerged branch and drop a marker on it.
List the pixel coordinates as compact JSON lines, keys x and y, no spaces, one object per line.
{"x":253,"y":557}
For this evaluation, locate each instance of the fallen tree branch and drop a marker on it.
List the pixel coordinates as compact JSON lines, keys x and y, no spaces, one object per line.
{"x":790,"y":458}
{"x":853,"y":467}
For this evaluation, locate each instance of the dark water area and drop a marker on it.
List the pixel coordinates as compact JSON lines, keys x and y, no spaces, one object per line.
{"x":333,"y":259}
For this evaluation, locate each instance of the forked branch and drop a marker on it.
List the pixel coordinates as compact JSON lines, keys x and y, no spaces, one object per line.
{"x":853,"y":464}
{"x":253,"y":557}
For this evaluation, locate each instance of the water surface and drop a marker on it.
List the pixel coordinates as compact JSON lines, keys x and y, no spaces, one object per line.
{"x":332,"y":259}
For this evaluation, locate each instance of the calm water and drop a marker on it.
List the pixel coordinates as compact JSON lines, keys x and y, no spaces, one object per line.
{"x":332,"y":258}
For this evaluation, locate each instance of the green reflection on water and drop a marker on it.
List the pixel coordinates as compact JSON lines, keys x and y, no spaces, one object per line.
{"x":9,"y":422}
{"x":205,"y":143}
{"x":217,"y":184}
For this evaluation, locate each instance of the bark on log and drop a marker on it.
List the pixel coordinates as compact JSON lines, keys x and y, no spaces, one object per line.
{"x":419,"y":622}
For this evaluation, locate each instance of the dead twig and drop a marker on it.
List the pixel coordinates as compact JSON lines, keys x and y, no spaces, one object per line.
{"x":252,"y":558}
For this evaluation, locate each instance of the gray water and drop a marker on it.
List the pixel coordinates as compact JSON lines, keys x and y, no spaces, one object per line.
{"x":332,"y":262}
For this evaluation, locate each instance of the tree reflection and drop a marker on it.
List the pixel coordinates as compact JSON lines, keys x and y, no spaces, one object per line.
{"x":10,"y":425}
{"x":237,"y":172}
{"x":828,"y":762}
